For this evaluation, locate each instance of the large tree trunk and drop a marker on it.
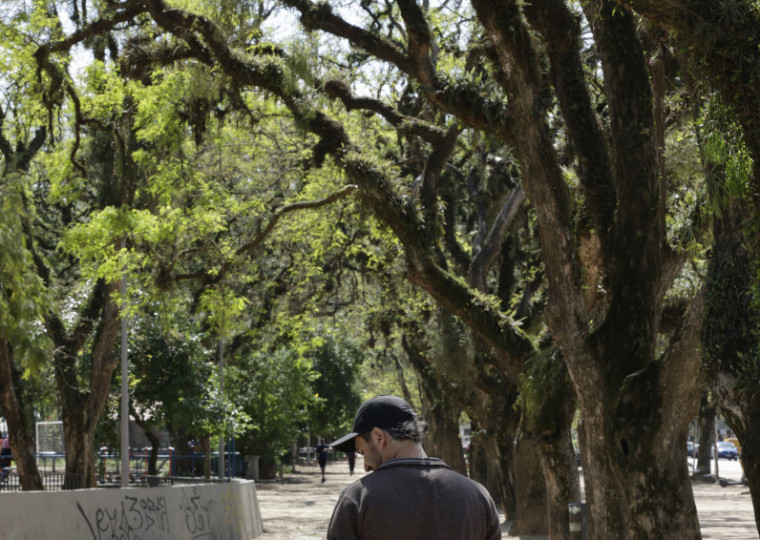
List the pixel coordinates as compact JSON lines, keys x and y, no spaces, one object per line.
{"x":79,"y":444}
{"x":531,"y":514}
{"x":636,"y":407}
{"x":730,"y":339}
{"x":488,"y":466}
{"x":439,"y":409}
{"x":17,"y":158}
{"x":81,"y":407}
{"x":443,"y":440}
{"x":21,"y":439}
{"x":749,"y":437}
{"x":495,"y":421}
{"x":546,"y":440}
{"x":561,"y":477}
{"x":636,"y":474}
{"x":636,"y":485}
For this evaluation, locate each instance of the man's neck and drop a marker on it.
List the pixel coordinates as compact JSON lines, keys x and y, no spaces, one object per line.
{"x":405,"y":449}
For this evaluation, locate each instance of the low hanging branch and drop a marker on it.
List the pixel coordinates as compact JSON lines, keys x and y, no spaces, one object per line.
{"x":262,"y":235}
{"x":294,"y":207}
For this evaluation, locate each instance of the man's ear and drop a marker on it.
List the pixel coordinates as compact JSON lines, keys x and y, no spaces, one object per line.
{"x":379,"y":436}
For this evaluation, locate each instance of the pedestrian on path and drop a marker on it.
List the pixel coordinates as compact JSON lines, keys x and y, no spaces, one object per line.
{"x":408,"y":495}
{"x":322,"y":449}
{"x":351,"y":456}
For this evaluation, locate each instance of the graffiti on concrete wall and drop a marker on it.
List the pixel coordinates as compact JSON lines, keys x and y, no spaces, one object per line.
{"x":193,"y":514}
{"x":198,"y":513}
{"x":129,"y":520}
{"x":233,"y":509}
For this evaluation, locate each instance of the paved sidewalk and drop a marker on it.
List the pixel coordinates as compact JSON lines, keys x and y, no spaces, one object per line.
{"x":298,"y":506}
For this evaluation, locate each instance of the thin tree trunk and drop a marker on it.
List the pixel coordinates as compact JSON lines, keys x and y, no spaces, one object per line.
{"x":206,"y":440}
{"x":154,"y":445}
{"x":11,"y":391}
{"x":706,"y":423}
{"x":505,"y":440}
{"x":21,"y":440}
{"x":477,"y":456}
{"x":152,"y":438}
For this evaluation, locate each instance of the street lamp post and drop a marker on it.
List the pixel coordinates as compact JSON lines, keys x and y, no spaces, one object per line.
{"x":124,"y":390}
{"x":221,"y":394}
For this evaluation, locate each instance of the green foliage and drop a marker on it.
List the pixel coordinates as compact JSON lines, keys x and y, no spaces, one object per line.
{"x":222,"y":308}
{"x":732,"y":312}
{"x":169,"y":374}
{"x":544,"y":383}
{"x":23,"y":299}
{"x":274,"y":390}
{"x":336,"y":360}
{"x":725,"y":153}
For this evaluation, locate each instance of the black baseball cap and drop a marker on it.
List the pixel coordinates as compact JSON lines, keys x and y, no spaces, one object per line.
{"x":385,"y":412}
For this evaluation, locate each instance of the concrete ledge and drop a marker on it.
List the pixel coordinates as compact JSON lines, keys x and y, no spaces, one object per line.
{"x":226,"y":511}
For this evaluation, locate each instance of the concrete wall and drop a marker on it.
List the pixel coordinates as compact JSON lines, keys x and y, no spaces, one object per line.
{"x":227,"y":511}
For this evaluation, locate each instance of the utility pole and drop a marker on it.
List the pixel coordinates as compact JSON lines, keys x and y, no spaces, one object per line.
{"x":124,"y":389}
{"x":221,"y":395}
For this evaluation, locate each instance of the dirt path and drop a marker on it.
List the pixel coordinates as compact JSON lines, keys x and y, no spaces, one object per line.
{"x":298,"y":506}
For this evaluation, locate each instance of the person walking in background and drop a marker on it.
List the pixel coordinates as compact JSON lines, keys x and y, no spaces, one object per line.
{"x":322,"y":449}
{"x":351,"y":461}
{"x":408,"y":495}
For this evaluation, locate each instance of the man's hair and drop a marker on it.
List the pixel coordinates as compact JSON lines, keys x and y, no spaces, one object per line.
{"x":412,"y":430}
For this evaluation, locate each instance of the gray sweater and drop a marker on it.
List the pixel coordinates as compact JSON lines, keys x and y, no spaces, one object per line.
{"x":414,"y":499}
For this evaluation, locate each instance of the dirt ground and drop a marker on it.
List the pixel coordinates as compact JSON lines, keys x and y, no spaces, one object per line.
{"x":298,"y":506}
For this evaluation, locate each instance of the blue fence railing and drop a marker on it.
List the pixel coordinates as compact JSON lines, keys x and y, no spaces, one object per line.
{"x":173,"y":469}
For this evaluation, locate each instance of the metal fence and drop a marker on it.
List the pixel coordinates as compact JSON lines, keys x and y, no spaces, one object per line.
{"x":51,"y":481}
{"x":57,"y":481}
{"x":174,"y":470}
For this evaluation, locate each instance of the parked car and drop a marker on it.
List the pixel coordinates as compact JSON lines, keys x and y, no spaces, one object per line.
{"x":737,"y":444}
{"x":727,"y":450}
{"x":691,"y":448}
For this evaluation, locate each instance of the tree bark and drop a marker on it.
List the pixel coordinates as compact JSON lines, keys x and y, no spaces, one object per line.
{"x":17,"y":161}
{"x":21,"y":439}
{"x":623,"y":393}
{"x":531,"y":511}
{"x":562,"y":483}
{"x":154,"y":444}
{"x":443,"y":440}
{"x":706,"y":423}
{"x":81,"y":408}
{"x":730,"y":338}
{"x":495,"y":421}
{"x":560,"y":472}
{"x":750,"y":441}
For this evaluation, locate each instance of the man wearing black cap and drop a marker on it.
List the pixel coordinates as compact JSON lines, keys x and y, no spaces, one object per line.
{"x":408,"y":496}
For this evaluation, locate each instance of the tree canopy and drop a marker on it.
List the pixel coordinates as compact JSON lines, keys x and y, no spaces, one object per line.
{"x":552,"y":174}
